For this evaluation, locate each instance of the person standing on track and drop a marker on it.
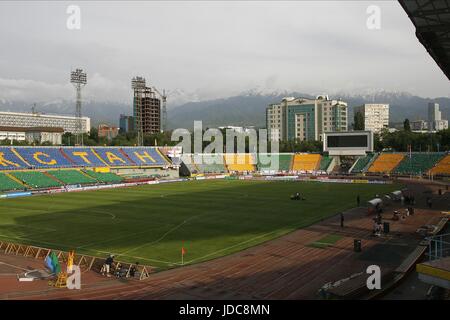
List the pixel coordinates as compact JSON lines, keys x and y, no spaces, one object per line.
{"x":109,"y":262}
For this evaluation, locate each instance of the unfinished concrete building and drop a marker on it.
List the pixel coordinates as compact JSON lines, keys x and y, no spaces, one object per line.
{"x":146,"y":109}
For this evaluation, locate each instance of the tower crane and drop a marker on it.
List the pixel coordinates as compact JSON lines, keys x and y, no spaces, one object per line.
{"x":164,"y":109}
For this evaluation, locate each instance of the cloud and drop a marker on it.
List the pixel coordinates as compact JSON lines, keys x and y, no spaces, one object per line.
{"x":211,"y":49}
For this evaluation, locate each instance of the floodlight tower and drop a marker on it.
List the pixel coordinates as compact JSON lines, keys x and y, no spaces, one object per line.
{"x":79,"y":79}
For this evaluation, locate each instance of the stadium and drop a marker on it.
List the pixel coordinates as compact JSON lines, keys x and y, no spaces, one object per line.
{"x":157,"y":207}
{"x":164,"y":223}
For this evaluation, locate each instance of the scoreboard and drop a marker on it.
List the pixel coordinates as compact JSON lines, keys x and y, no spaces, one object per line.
{"x":348,"y":143}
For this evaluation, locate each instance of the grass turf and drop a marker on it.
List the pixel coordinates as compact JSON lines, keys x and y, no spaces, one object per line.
{"x":326,"y":241}
{"x":150,"y":223}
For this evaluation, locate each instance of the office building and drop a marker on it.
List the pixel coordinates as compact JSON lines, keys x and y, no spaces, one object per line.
{"x":305,"y":119}
{"x":28,"y":120}
{"x":376,"y":116}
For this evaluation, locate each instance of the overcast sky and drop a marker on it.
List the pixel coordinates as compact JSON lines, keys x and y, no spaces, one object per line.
{"x":213,"y":49}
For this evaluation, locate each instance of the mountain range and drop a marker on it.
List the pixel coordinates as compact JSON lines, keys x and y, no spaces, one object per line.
{"x":244,"y":109}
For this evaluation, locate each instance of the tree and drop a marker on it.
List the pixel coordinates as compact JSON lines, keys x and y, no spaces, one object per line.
{"x":406,"y":125}
{"x":359,"y":121}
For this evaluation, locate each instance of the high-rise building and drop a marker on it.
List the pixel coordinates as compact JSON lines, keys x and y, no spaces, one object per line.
{"x":376,"y":116}
{"x":305,"y":119}
{"x":435,"y":122}
{"x":126,"y":123}
{"x":433,"y":112}
{"x":146,"y":109}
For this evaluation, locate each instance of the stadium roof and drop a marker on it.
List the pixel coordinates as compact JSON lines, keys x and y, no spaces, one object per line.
{"x":31,"y":129}
{"x":432,"y":21}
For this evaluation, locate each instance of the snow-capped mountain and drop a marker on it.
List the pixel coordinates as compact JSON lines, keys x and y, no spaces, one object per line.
{"x":244,"y":109}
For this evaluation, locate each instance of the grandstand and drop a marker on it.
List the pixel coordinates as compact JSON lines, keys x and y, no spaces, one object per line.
{"x":187,"y":160}
{"x":72,"y":177}
{"x":325,"y":162}
{"x":442,"y":167}
{"x":361,"y":163}
{"x":39,"y":157}
{"x":240,"y":162}
{"x":418,"y":163}
{"x":145,"y":156}
{"x":7,"y":184}
{"x":82,"y":157}
{"x":10,"y":160}
{"x":306,"y":162}
{"x":113,"y":157}
{"x":386,"y":162}
{"x":106,"y":177}
{"x":284,"y":163}
{"x":35,"y":179}
{"x":69,"y":157}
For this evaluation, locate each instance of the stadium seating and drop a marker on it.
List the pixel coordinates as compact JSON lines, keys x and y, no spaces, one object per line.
{"x":284,"y":163}
{"x":83,"y":157}
{"x":107,"y":177}
{"x":9,"y":160}
{"x":240,"y":162}
{"x":442,"y":167}
{"x":72,"y":177}
{"x":325,"y":163}
{"x":418,"y":163}
{"x":306,"y":162}
{"x":386,"y":162}
{"x":35,"y":179}
{"x":39,"y":157}
{"x":189,"y":163}
{"x":361,"y":163}
{"x":113,"y":157}
{"x":145,"y":156}
{"x":7,"y":184}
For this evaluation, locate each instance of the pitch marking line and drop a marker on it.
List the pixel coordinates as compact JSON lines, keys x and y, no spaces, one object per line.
{"x":162,"y":237}
{"x":112,"y":239}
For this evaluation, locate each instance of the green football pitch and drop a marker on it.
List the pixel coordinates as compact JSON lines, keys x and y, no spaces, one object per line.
{"x":152,"y":223}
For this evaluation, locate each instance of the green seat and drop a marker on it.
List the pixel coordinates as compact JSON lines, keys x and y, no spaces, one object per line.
{"x":107,"y":177}
{"x":36,"y":179}
{"x":418,"y":163}
{"x":325,"y":163}
{"x":284,"y":163}
{"x":7,"y":184}
{"x":361,"y":163}
{"x":72,"y":177}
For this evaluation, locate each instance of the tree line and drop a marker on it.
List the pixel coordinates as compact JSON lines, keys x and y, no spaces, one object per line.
{"x":400,"y":141}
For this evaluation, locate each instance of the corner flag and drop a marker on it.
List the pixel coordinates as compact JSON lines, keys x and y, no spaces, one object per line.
{"x":183,"y":252}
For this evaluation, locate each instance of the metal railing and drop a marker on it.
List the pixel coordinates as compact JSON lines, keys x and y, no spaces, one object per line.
{"x":439,"y":246}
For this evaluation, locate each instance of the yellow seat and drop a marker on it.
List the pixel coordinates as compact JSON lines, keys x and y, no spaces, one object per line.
{"x":442,"y":167}
{"x":240,"y":162}
{"x":386,"y":162}
{"x":306,"y":162}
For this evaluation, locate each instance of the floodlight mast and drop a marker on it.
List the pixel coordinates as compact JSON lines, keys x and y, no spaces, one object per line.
{"x":79,"y":79}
